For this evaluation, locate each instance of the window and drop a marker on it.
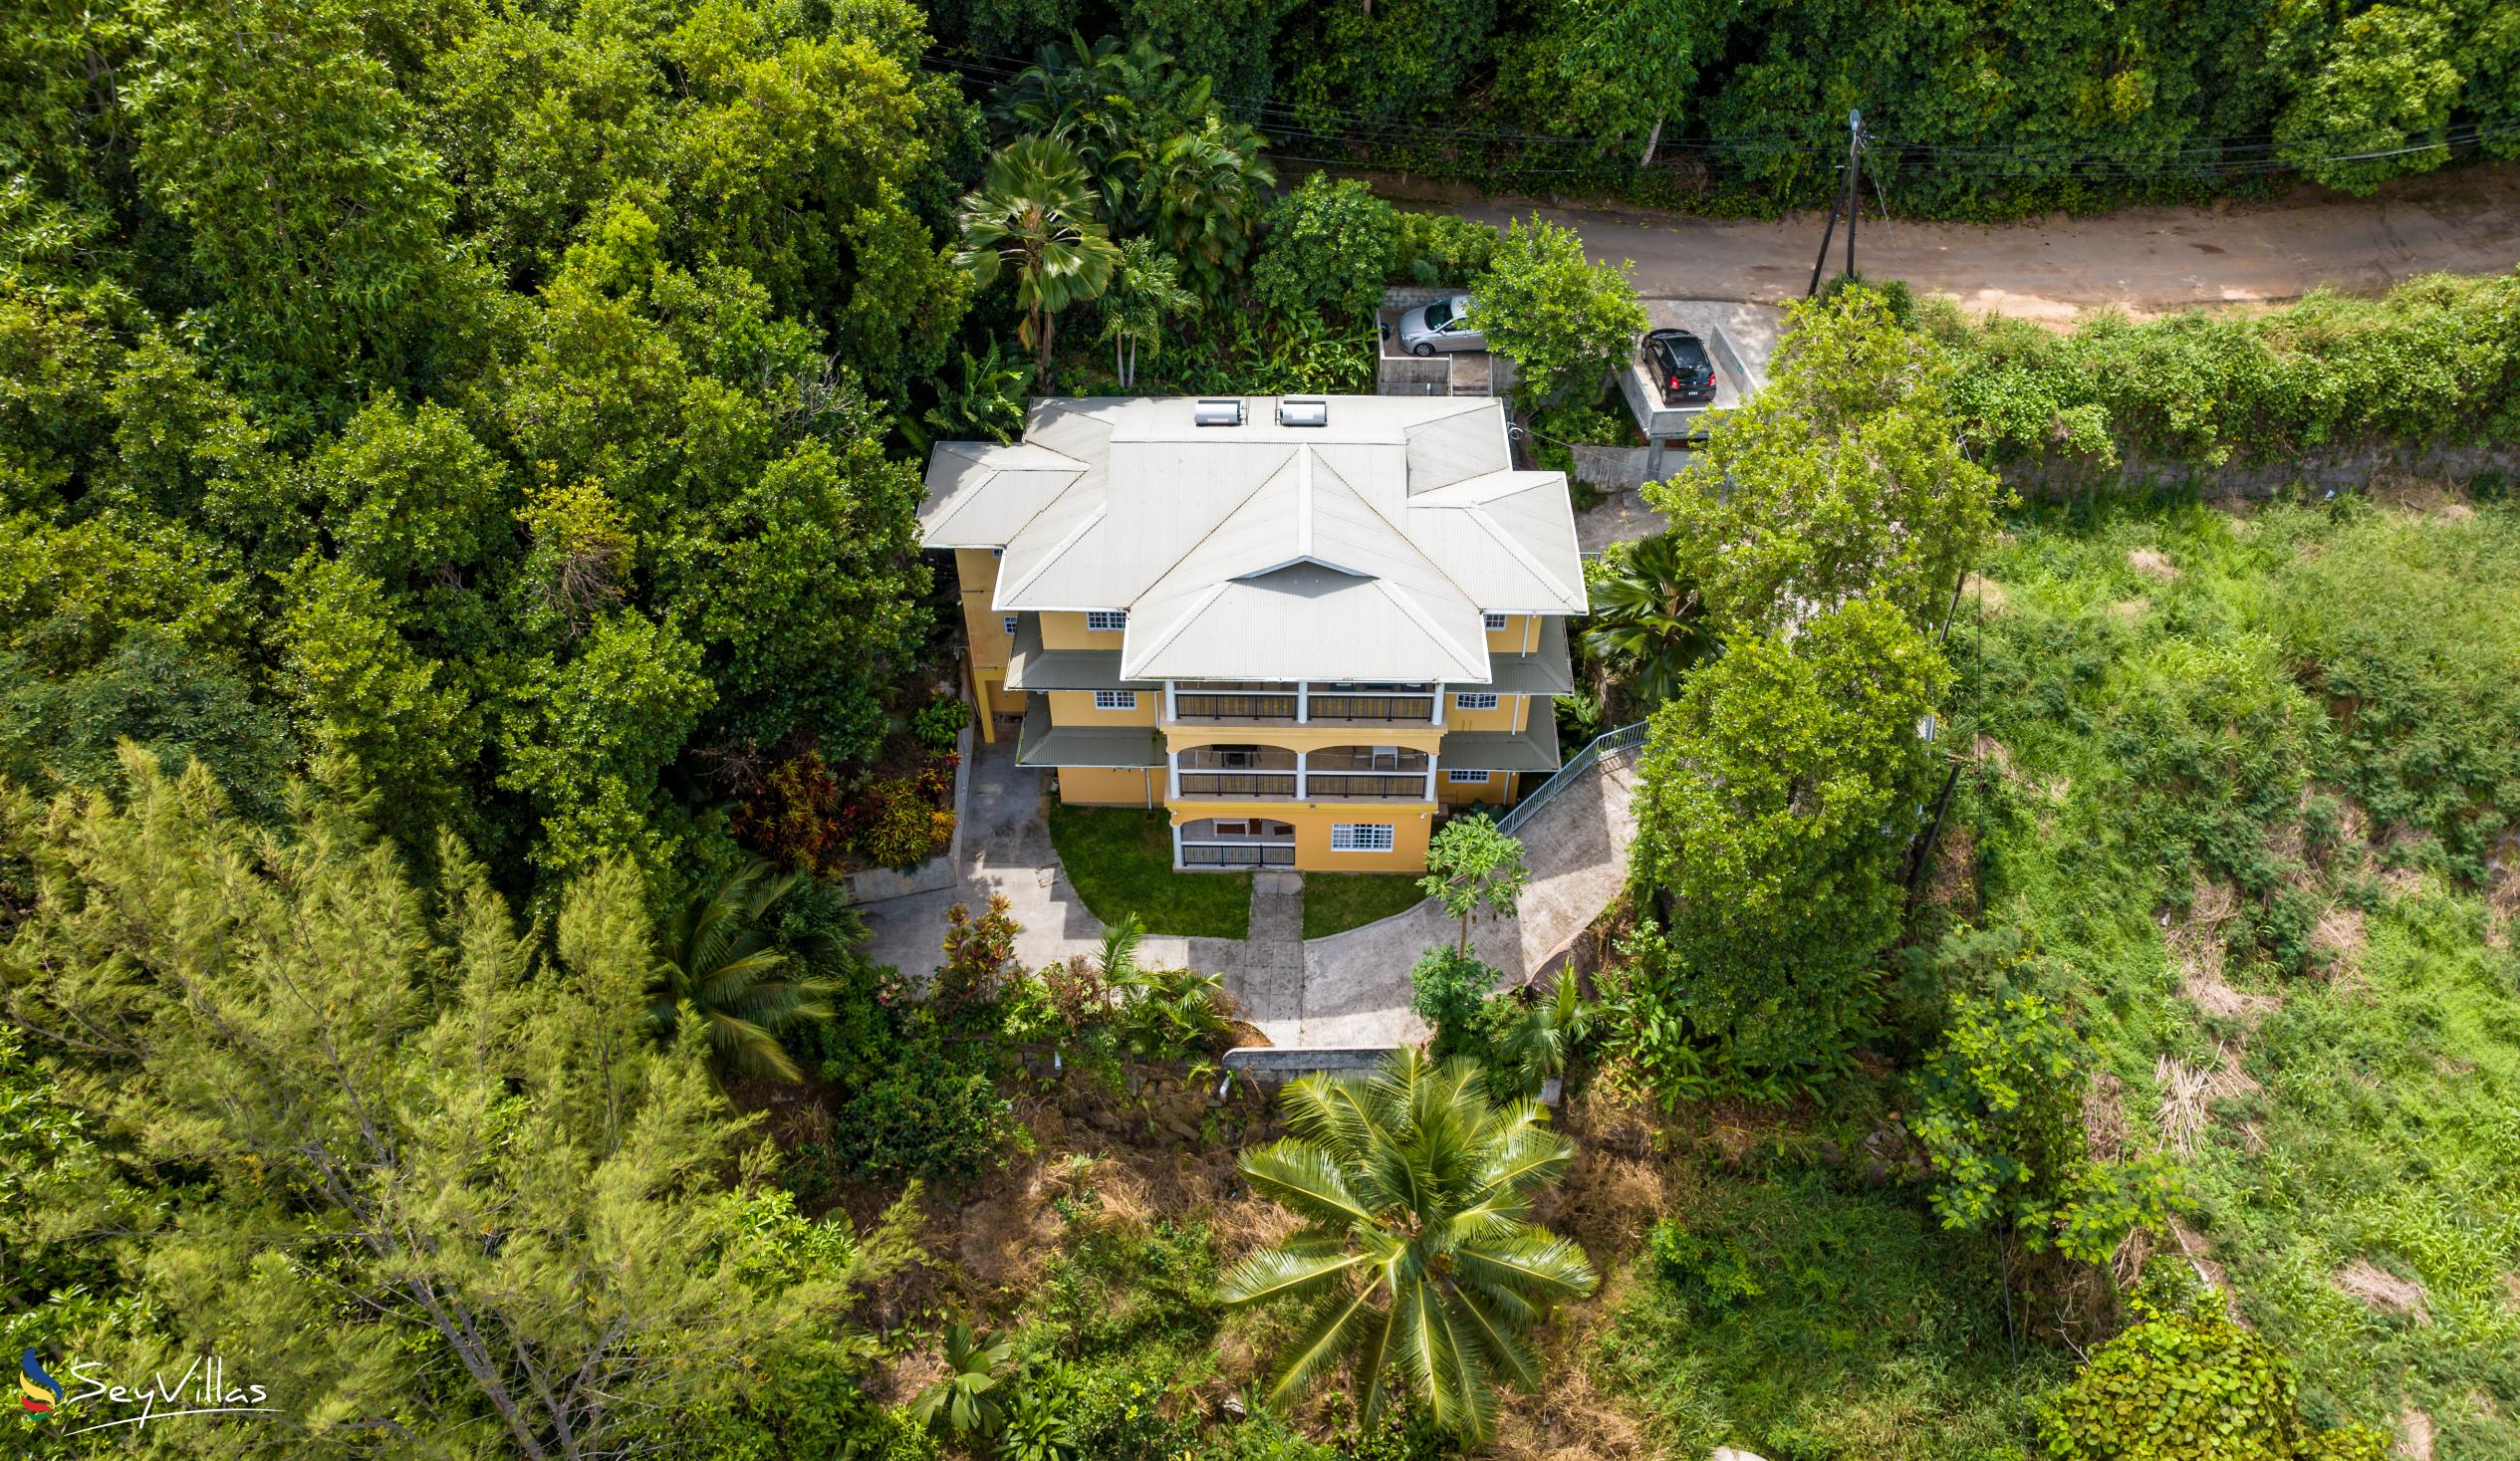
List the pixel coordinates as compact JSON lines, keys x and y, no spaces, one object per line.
{"x":1010,"y":625}
{"x":1496,"y":624}
{"x":1467,"y":778}
{"x":1361,"y":836}
{"x":1484,"y":700}
{"x":1114,"y":700}
{"x":1107,"y":620}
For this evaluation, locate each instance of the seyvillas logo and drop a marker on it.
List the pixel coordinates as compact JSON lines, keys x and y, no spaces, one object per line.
{"x":38,"y":1391}
{"x":202,"y":1389}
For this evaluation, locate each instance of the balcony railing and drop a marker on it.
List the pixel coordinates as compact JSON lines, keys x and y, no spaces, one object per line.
{"x":1195,"y":705}
{"x":1330,"y":784}
{"x":1237,"y":854}
{"x":1378,"y":710}
{"x":1237,"y":784}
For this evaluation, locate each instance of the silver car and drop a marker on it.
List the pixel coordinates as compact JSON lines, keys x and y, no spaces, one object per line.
{"x":1443,"y":325}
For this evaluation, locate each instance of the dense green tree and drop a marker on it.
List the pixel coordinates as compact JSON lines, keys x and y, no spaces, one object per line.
{"x":1842,"y":480}
{"x":1617,"y":68}
{"x":1331,"y":245}
{"x":175,"y":704}
{"x":1558,"y":316}
{"x":1208,"y":184}
{"x":1472,"y":866}
{"x":590,"y":733}
{"x":502,"y":1191}
{"x":2187,"y":1384}
{"x":1778,"y":796}
{"x":2381,"y":102}
{"x":1419,"y":1261}
{"x":1034,"y":215}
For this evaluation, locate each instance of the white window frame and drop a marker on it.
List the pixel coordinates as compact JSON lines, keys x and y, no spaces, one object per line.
{"x":1475,"y":700}
{"x":1010,"y":621}
{"x":1496,"y":624}
{"x":1107,"y":620}
{"x":1363,"y":837}
{"x":1467,"y":778}
{"x":1114,"y":700}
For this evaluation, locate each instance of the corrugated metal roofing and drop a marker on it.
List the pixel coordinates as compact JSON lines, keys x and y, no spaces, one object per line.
{"x":1403,"y":512}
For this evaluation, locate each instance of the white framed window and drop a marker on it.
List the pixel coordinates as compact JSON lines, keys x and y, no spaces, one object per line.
{"x":1496,"y":624}
{"x":1010,"y":625}
{"x":1467,"y":778}
{"x":1361,"y":836}
{"x":1107,"y":620}
{"x":1114,"y":700}
{"x":1481,"y":701}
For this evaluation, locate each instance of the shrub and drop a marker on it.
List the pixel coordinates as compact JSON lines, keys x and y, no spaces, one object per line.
{"x":930,"y":1110}
{"x":1451,"y":988}
{"x":1558,"y":316}
{"x":1444,"y":250}
{"x":2191,"y":1386}
{"x":793,"y":816}
{"x":938,"y":724}
{"x":1331,"y":245}
{"x":901,"y":826}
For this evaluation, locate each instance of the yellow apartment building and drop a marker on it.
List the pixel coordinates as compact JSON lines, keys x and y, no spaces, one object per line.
{"x":1303,"y":626}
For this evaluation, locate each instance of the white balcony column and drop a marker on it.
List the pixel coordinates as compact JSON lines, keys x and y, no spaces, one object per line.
{"x":1438,"y":702}
{"x":1171,"y":702}
{"x":1173,"y":760}
{"x":1433,"y":765}
{"x":1302,"y":702}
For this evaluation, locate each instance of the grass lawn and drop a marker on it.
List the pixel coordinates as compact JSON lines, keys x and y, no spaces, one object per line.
{"x":1121,"y":860}
{"x":1334,"y":903}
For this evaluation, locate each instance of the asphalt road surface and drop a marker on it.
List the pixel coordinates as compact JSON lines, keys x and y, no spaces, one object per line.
{"x":2144,"y":260}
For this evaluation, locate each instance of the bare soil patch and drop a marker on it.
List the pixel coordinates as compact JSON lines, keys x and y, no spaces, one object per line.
{"x":2383,"y":1290}
{"x":2153,"y":562}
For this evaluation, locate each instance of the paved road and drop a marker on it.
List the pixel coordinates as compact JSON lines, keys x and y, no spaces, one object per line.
{"x":2144,"y":260}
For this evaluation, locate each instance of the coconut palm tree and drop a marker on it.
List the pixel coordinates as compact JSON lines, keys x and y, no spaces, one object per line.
{"x":1034,"y":214}
{"x":1647,"y":622}
{"x":719,"y":963}
{"x":1418,"y":1260}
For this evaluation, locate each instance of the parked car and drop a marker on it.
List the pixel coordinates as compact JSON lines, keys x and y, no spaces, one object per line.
{"x":1443,"y":325}
{"x":1681,"y":366}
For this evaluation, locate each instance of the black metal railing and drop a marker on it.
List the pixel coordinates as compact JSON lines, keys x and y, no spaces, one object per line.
{"x":1233,"y":708}
{"x":1250,"y":854}
{"x":1237,"y":784}
{"x":1384,"y":709}
{"x":1333,"y":784}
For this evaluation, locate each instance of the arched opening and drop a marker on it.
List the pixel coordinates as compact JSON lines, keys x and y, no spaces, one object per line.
{"x":1367,"y":771}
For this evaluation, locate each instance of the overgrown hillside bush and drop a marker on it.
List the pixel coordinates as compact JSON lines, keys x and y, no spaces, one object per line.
{"x":2437,"y":360}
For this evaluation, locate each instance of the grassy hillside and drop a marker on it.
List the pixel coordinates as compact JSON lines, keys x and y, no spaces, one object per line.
{"x":2249,"y":781}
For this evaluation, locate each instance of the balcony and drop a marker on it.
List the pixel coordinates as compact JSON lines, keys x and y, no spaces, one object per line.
{"x":1231,"y":843}
{"x":1213,"y":702}
{"x":1333,"y":773}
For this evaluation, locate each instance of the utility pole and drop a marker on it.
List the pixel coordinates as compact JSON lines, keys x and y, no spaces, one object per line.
{"x":1855,"y":167}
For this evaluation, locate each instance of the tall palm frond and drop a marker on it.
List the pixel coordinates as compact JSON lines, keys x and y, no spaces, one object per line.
{"x":1646,"y":620}
{"x":1418,"y":1264}
{"x":1034,"y":214}
{"x":717,"y":962}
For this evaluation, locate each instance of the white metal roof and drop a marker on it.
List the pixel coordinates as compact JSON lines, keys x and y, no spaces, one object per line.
{"x":1361,"y":550}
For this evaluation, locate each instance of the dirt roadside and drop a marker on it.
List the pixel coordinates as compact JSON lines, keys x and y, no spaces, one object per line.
{"x":2146,"y":261}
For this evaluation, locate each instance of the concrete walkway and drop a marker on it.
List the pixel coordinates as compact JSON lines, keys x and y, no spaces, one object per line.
{"x":1355,"y":984}
{"x":1005,"y":849}
{"x":1349,"y":989}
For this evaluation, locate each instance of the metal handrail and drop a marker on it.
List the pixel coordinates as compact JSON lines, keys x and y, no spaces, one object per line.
{"x":1621,"y":741}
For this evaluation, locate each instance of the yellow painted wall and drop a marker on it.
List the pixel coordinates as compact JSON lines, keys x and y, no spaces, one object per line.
{"x":1411,"y":831}
{"x":1111,"y":786}
{"x":1521,"y":635}
{"x":1076,"y":707}
{"x":983,"y":628}
{"x":1507,"y":716}
{"x":1066,"y":630}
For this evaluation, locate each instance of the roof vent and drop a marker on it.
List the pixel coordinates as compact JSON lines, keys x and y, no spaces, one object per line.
{"x":1304,"y":410}
{"x":1216,"y":414}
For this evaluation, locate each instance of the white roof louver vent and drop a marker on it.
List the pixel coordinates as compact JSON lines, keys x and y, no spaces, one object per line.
{"x":1304,"y":410}
{"x":1216,"y":413}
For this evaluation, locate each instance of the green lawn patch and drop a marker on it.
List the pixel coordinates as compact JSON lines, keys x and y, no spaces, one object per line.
{"x":1334,"y":903}
{"x":1121,"y":860}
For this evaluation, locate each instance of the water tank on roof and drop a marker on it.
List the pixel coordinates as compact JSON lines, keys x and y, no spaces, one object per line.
{"x":1304,"y":410}
{"x":1216,"y":413}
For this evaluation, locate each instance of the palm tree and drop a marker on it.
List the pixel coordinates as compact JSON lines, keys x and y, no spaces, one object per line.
{"x":719,"y":963}
{"x":1144,"y":293}
{"x":1035,"y":214}
{"x":1543,"y":1032}
{"x":1210,"y":185}
{"x":1649,"y":624}
{"x":1417,"y":1259}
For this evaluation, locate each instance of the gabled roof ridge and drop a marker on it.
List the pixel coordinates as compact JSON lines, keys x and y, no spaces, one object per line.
{"x":1058,"y":550}
{"x":1398,"y":532}
{"x":1133,"y":655}
{"x":1475,"y":670}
